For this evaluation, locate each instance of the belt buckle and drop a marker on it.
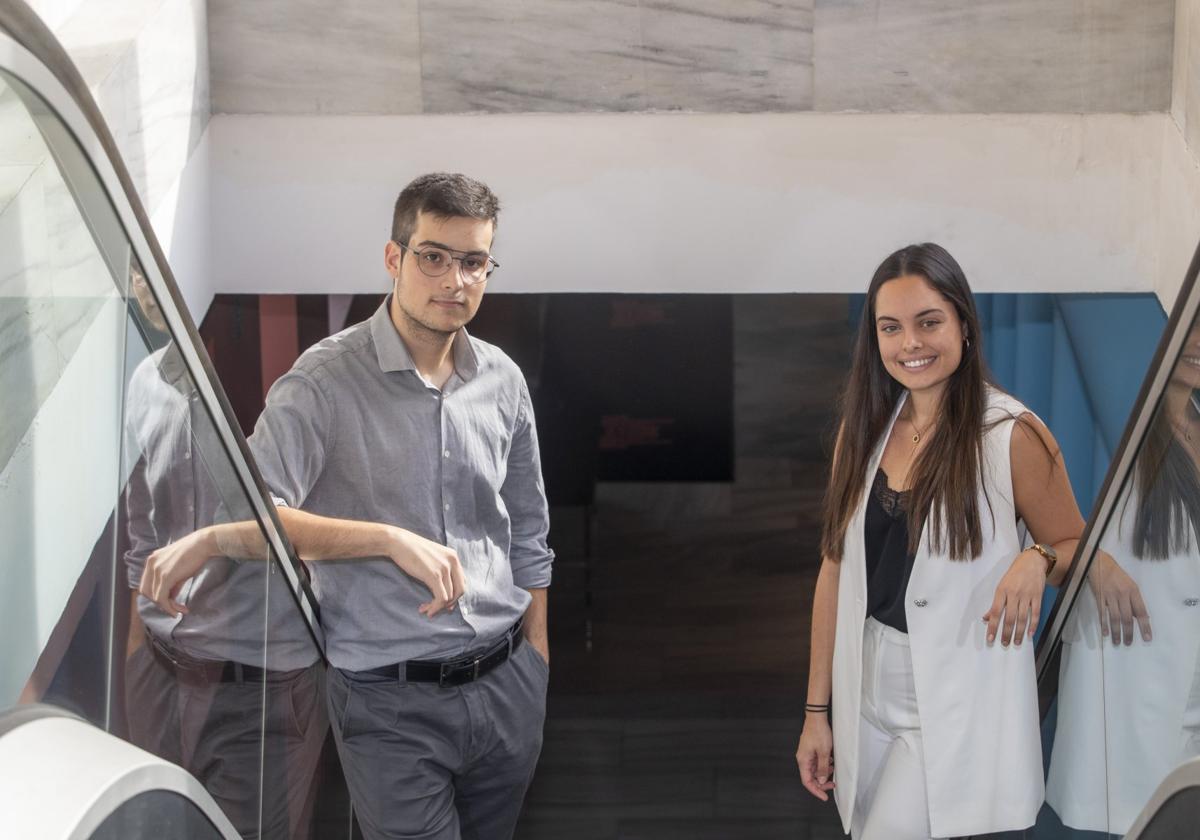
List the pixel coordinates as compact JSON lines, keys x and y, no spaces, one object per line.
{"x":166,"y":652}
{"x":445,"y":669}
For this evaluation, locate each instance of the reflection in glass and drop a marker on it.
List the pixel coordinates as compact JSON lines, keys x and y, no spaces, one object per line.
{"x":1129,"y":693}
{"x":109,"y":459}
{"x":203,"y":688}
{"x":61,"y":342}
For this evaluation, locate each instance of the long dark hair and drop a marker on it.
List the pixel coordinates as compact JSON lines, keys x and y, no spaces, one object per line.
{"x":1168,"y":491}
{"x":945,"y":476}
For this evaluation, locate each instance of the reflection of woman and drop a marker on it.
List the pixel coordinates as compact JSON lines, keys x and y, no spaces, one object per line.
{"x":1129,"y":711}
{"x":935,"y":727}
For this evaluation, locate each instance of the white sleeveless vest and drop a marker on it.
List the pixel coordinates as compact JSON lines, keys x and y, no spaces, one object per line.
{"x":978,"y":704}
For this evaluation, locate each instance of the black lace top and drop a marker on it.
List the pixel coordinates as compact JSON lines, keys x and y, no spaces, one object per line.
{"x":889,"y":565}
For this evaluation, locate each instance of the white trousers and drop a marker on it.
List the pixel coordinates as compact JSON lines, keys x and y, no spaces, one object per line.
{"x":891,"y":803}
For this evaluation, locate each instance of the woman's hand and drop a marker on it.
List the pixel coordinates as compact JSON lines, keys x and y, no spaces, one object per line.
{"x":815,"y":755}
{"x":1018,"y":600}
{"x":1119,"y":601}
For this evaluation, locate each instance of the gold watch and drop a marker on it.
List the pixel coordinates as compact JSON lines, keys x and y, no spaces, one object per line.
{"x":1049,"y":553}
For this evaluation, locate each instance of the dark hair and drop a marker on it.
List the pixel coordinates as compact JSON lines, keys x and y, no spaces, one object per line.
{"x":445,"y":195}
{"x":1168,"y":493}
{"x":945,"y":475}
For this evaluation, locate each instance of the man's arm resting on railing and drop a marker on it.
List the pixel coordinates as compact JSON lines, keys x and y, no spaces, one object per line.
{"x":315,"y":538}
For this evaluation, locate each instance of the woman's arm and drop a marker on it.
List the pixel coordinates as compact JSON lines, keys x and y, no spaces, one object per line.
{"x":1043,"y":495}
{"x":1043,"y":498}
{"x":815,"y":753}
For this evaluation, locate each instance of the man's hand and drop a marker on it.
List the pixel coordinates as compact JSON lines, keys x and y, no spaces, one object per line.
{"x":535,"y":627}
{"x":170,"y":566}
{"x":1119,"y":600}
{"x":542,"y":646}
{"x":433,"y":564}
{"x":1018,"y":600}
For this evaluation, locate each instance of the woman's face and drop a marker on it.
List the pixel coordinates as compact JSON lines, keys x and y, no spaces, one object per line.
{"x":920,"y":334}
{"x":1186,"y":373}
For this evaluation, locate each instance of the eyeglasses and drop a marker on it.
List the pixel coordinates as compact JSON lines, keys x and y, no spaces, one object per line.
{"x":435,"y":262}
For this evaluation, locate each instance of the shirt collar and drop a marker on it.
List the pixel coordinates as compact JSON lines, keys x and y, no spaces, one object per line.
{"x":171,"y":368}
{"x":393,"y":355}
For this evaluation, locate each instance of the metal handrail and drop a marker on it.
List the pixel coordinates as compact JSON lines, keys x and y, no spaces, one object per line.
{"x":30,"y":52}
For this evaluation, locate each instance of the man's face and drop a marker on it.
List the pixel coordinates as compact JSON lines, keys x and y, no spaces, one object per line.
{"x":439,"y":304}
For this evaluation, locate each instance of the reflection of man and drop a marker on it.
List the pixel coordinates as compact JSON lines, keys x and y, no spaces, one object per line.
{"x":195,"y":680}
{"x":409,"y":447}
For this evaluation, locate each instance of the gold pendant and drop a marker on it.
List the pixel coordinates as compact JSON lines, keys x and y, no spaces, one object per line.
{"x":916,"y":437}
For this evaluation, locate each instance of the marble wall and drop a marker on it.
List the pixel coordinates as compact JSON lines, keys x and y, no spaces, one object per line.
{"x":506,"y":56}
{"x":448,"y":56}
{"x":994,"y":55}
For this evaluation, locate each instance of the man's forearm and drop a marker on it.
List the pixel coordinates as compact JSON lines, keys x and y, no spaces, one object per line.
{"x":313,"y":537}
{"x":325,"y":538}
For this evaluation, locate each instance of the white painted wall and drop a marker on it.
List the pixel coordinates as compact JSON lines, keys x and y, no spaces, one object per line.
{"x":1180,"y":213}
{"x":181,"y":224}
{"x":705,"y":203}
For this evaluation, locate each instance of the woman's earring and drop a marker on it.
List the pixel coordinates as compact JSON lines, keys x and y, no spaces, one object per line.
{"x":968,"y":341}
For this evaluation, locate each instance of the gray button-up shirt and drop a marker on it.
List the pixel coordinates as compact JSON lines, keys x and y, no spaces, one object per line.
{"x":353,"y":431}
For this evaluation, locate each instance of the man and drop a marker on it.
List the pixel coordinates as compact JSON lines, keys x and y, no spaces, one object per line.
{"x":404,"y":458}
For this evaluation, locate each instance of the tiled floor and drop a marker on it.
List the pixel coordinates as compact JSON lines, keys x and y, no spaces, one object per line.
{"x":681,"y":720}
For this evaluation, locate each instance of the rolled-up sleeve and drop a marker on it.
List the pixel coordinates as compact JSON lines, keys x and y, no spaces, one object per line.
{"x":524,"y":495}
{"x":292,"y":437}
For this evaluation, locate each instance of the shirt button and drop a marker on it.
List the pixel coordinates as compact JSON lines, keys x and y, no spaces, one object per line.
{"x":1191,"y":602}
{"x":446,"y":454}
{"x":446,"y":506}
{"x":920,"y":602}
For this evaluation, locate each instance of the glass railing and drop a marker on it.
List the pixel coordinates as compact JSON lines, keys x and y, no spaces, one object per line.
{"x":1119,"y":669}
{"x":118,"y":457}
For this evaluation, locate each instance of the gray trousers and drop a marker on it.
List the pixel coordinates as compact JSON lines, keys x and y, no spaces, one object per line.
{"x":228,"y":733}
{"x":440,"y":763}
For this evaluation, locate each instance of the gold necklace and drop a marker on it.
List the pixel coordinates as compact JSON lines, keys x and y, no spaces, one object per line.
{"x":917,"y":433}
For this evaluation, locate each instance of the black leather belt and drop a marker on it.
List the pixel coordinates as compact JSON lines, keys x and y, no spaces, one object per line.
{"x":189,"y":668}
{"x":464,"y":669}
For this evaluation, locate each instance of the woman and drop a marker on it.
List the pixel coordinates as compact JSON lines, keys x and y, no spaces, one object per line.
{"x":934,"y":724}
